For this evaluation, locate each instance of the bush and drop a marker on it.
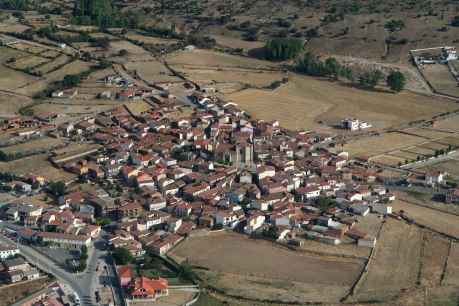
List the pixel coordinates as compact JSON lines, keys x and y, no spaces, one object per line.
{"x":396,"y":81}
{"x":122,"y":256}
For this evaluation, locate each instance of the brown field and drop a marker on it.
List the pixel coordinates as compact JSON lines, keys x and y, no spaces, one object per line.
{"x":75,"y":110}
{"x":28,"y":48}
{"x":150,"y":39}
{"x":74,"y":67}
{"x":435,"y":253}
{"x":11,"y":79}
{"x":152,"y":71}
{"x":233,"y":42}
{"x":36,"y":165}
{"x":404,"y":155}
{"x":428,"y":133}
{"x":452,"y":270}
{"x":28,"y":62}
{"x":11,"y":294}
{"x":453,"y":140}
{"x":253,"y":78}
{"x":433,"y":145}
{"x":7,"y":108}
{"x":379,"y":144}
{"x":449,"y":124}
{"x":60,"y":60}
{"x":138,"y":107}
{"x":441,"y":79}
{"x":237,"y":260}
{"x":206,"y":59}
{"x":388,"y":160}
{"x":437,"y":220}
{"x":395,"y":263}
{"x":450,"y":166}
{"x":304,"y":101}
{"x":36,"y":144}
{"x":7,"y":53}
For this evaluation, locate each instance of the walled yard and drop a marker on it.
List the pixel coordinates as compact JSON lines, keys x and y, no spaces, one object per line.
{"x":238,"y":264}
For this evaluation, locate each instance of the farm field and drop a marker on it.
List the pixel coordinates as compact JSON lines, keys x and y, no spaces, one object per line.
{"x":36,"y":144}
{"x":11,"y":79}
{"x":451,"y":166}
{"x":234,"y":43}
{"x":260,"y":264}
{"x":395,"y":262}
{"x":452,"y":268}
{"x":435,"y":253}
{"x":7,"y":108}
{"x":437,"y":220}
{"x":149,"y":39}
{"x":152,"y":71}
{"x":441,"y":79}
{"x":54,"y":64}
{"x":36,"y":165}
{"x":205,"y":59}
{"x":305,"y":101}
{"x":74,"y":67}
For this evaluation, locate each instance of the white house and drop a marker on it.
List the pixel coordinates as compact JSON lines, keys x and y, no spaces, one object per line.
{"x":254,"y":223}
{"x":383,"y":209}
{"x":435,"y":177}
{"x":369,"y":242}
{"x":7,"y":251}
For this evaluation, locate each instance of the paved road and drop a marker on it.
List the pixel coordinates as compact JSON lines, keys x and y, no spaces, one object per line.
{"x":84,"y":284}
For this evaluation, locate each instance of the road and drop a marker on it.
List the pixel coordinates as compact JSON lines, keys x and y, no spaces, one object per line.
{"x":83,"y":284}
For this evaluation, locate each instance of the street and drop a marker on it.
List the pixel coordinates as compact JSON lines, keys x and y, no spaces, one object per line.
{"x":83,"y":284}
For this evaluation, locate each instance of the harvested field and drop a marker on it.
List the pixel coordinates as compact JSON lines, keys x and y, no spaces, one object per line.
{"x":428,"y":133}
{"x":11,"y":79}
{"x":435,"y":253}
{"x":225,"y":256}
{"x":452,"y":269}
{"x":36,"y":165}
{"x":305,"y":101}
{"x":380,"y":144}
{"x":448,"y":124}
{"x":138,"y":107}
{"x":37,"y":144}
{"x":452,"y":140}
{"x":28,"y":48}
{"x":7,"y":53}
{"x":7,"y":108}
{"x":441,"y":79}
{"x":74,"y":67}
{"x":342,"y":249}
{"x":150,"y":39}
{"x":450,"y":166}
{"x":405,"y":155}
{"x":54,"y":64}
{"x":75,"y":110}
{"x":437,"y":220}
{"x":28,"y":62}
{"x":388,"y":160}
{"x":206,"y":59}
{"x":234,"y":43}
{"x":152,"y":71}
{"x":395,"y":263}
{"x":12,"y":293}
{"x":260,"y":79}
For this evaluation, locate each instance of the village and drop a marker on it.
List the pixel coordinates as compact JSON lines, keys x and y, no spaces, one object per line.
{"x":190,"y":163}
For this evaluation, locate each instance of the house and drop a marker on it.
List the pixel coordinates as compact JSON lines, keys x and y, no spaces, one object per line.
{"x":254,"y":223}
{"x":383,"y":209}
{"x":16,"y":264}
{"x":369,"y":242}
{"x":146,"y":288}
{"x":7,"y":251}
{"x":360,"y":209}
{"x":435,"y":177}
{"x":69,"y":241}
{"x":452,"y":195}
{"x":124,"y":275}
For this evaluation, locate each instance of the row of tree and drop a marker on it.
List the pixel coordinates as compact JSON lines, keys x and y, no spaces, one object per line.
{"x":281,"y":49}
{"x":331,"y":68}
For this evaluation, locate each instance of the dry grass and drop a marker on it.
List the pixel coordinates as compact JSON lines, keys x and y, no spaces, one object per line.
{"x":11,"y":79}
{"x":37,"y":144}
{"x":207,"y":58}
{"x":150,"y":39}
{"x":435,"y":254}
{"x":58,"y":61}
{"x":152,"y":71}
{"x":7,"y":108}
{"x":452,"y":271}
{"x":441,"y":79}
{"x":237,"y":254}
{"x":138,"y":107}
{"x":395,"y":263}
{"x":36,"y":165}
{"x":233,"y":42}
{"x":28,"y":62}
{"x":437,"y":220}
{"x":304,"y":101}
{"x":9,"y":295}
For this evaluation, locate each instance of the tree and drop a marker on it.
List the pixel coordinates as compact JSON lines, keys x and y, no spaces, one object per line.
{"x":57,"y":188}
{"x":122,"y":256}
{"x":396,"y":81}
{"x":280,"y":49}
{"x":455,"y":21}
{"x":332,"y":67}
{"x":71,"y":80}
{"x":394,"y":25}
{"x":370,"y":79}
